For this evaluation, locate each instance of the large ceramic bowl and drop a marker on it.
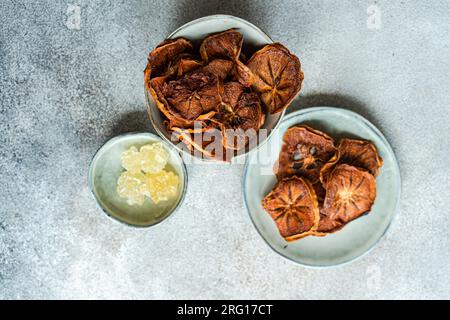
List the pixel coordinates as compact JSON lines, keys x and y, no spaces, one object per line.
{"x":196,"y":30}
{"x":356,"y":238}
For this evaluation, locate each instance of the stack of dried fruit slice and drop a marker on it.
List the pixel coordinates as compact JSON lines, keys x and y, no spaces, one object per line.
{"x":214,"y":92}
{"x":321,"y":187}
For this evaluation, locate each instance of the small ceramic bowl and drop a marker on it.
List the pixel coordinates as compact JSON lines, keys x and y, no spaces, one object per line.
{"x":197,"y":30}
{"x":106,"y":168}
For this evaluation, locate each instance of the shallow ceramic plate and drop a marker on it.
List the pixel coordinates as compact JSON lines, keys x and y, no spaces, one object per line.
{"x":197,"y":30}
{"x":359,"y":236}
{"x":106,"y":168}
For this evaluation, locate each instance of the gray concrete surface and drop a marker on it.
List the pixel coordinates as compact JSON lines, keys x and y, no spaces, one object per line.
{"x":65,"y":91}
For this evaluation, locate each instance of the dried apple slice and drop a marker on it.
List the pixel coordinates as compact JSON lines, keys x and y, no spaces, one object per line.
{"x":277,"y":76}
{"x":358,"y":153}
{"x":223,"y":45}
{"x":350,"y":193}
{"x":304,"y":151}
{"x":159,"y":58}
{"x":193,"y":96}
{"x":292,"y":204}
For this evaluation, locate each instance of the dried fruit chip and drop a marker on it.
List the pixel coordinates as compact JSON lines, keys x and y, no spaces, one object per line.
{"x":160,"y":186}
{"x":358,"y":153}
{"x":160,"y":57}
{"x":223,"y":45}
{"x":350,"y":193}
{"x":193,"y":96}
{"x":155,"y":89}
{"x":220,"y":67}
{"x":304,"y":151}
{"x":153,"y":157}
{"x":129,"y":186}
{"x":292,"y":204}
{"x":242,"y":74}
{"x":241,"y":119}
{"x":232,"y":91}
{"x":208,"y":142}
{"x":182,"y":64}
{"x":131,"y":159}
{"x":277,"y":76}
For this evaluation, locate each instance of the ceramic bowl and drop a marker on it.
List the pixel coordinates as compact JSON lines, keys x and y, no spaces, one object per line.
{"x":106,"y":168}
{"x":197,"y":30}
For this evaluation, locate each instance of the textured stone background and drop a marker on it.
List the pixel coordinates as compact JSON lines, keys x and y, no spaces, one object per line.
{"x":64,"y":92}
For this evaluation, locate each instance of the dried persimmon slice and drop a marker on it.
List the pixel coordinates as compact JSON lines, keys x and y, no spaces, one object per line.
{"x":166,"y":51}
{"x":209,"y":143}
{"x":241,"y":120}
{"x":182,"y":64}
{"x":277,"y":76}
{"x":223,"y":45}
{"x":358,"y":153}
{"x":193,"y":95}
{"x":220,"y":67}
{"x":155,"y":89}
{"x":304,"y":151}
{"x":232,"y":91}
{"x":292,"y":204}
{"x":351,"y":192}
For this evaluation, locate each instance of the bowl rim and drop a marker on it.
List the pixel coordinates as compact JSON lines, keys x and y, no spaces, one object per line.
{"x":115,"y":139}
{"x":148,"y":99}
{"x":395,"y":210}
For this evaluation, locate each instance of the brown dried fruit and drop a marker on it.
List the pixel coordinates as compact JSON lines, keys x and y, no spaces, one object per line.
{"x":241,"y":116}
{"x":277,"y":76}
{"x":242,"y":74}
{"x":182,"y":64}
{"x":155,"y":89}
{"x":209,"y":144}
{"x":350,"y":193}
{"x":358,"y":153}
{"x":304,"y":151}
{"x":232,"y":91}
{"x":292,"y":204}
{"x":159,"y":58}
{"x":193,"y":96}
{"x":223,"y":45}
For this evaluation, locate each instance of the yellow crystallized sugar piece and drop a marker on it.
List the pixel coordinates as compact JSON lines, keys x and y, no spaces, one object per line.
{"x":132,"y":159}
{"x":160,"y":186}
{"x":154,"y":158}
{"x":129,"y":186}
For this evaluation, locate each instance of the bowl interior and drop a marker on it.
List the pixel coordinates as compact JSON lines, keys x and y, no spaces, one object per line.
{"x":359,"y":236}
{"x":197,"y":30}
{"x":106,"y":168}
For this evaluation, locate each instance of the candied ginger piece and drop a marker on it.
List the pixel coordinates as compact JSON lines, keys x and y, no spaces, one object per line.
{"x":131,"y":159}
{"x":129,"y":186}
{"x":160,"y":186}
{"x":154,"y":158}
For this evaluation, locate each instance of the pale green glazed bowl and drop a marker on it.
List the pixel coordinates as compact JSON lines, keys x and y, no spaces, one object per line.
{"x":106,"y":168}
